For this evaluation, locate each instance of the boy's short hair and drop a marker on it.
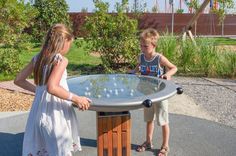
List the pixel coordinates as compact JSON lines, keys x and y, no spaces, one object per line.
{"x":150,"y":35}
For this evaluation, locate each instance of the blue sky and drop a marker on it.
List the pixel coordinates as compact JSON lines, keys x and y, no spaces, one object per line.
{"x":77,"y":5}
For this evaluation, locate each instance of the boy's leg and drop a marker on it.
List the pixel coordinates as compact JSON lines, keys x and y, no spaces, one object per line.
{"x":149,"y":131}
{"x":149,"y":118}
{"x":163,"y":121}
{"x":165,"y":140}
{"x":165,"y":135}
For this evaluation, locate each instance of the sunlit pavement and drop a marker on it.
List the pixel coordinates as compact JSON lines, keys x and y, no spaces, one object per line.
{"x":189,"y":136}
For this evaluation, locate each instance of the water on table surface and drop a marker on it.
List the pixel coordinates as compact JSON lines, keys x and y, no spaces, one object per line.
{"x":114,"y":86}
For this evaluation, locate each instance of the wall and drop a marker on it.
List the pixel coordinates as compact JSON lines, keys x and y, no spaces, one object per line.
{"x":207,"y":24}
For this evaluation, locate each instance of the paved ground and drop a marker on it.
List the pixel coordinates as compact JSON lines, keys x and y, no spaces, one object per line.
{"x":189,"y":136}
{"x":193,"y":131}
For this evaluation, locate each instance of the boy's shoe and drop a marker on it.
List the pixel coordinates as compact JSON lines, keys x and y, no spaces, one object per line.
{"x":145,"y":146}
{"x":163,"y":151}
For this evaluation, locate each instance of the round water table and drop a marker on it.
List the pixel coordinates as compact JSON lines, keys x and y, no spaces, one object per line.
{"x":113,"y":95}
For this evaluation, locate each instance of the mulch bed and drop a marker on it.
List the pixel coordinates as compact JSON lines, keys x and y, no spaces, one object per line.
{"x":14,"y":101}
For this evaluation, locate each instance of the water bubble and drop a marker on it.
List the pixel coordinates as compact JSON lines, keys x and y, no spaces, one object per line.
{"x":116,"y":92}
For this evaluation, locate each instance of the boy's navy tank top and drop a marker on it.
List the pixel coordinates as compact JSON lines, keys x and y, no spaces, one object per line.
{"x":152,"y":67}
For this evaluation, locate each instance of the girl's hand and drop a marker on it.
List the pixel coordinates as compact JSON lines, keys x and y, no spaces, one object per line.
{"x":82,"y":102}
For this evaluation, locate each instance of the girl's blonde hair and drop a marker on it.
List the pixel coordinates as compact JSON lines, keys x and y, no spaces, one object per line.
{"x":150,"y":35}
{"x":54,"y":42}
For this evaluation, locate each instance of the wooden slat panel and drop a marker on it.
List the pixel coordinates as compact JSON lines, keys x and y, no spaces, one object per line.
{"x":119,"y":145}
{"x":113,"y":135}
{"x":128,"y":134}
{"x":124,"y":144}
{"x":104,"y":125}
{"x":124,"y":124}
{"x":115,"y":145}
{"x":105,"y":144}
{"x":109,"y":135}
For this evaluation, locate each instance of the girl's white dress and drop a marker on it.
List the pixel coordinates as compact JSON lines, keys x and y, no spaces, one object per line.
{"x":51,"y":128}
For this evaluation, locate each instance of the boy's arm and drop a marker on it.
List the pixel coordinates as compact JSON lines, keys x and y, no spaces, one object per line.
{"x":136,"y":69}
{"x":171,"y":68}
{"x":21,"y":81}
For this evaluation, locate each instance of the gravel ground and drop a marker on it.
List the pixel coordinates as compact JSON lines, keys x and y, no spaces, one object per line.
{"x":14,"y":101}
{"x":217,"y":100}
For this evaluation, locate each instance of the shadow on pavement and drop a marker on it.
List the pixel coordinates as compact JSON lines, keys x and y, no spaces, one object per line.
{"x":11,"y":144}
{"x":189,"y":136}
{"x":88,"y":142}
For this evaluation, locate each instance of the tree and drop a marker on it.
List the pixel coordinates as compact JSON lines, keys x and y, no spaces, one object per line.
{"x":222,"y":10}
{"x":50,"y":12}
{"x":15,"y":16}
{"x":155,"y":9}
{"x":193,"y":4}
{"x":84,"y":10}
{"x":113,"y":36}
{"x":179,"y":11}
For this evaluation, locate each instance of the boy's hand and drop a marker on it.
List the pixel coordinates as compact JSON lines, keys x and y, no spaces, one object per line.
{"x":131,"y":72}
{"x":165,"y":76}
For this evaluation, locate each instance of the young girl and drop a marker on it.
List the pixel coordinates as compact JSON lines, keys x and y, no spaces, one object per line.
{"x":152,"y":63}
{"x":52,"y":126}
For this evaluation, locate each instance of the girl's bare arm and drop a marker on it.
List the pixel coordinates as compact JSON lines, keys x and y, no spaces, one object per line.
{"x":53,"y":86}
{"x":21,"y":81}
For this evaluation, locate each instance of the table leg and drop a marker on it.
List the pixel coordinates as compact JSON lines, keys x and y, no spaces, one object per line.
{"x":113,"y":134}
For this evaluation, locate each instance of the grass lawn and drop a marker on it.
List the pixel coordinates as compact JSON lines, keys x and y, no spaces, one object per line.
{"x":79,"y":62}
{"x":223,"y":41}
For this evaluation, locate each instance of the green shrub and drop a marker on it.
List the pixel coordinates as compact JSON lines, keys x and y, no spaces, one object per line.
{"x":15,"y":16}
{"x":187,"y":59}
{"x":228,"y":65}
{"x":9,"y":60}
{"x":113,"y":36}
{"x":49,"y":13}
{"x":167,"y":45}
{"x":209,"y":61}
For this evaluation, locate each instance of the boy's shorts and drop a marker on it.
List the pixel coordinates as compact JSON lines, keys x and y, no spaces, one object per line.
{"x":159,"y":111}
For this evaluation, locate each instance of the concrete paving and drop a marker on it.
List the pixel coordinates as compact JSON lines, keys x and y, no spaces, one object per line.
{"x":190,"y":136}
{"x":230,"y":84}
{"x":193,"y":131}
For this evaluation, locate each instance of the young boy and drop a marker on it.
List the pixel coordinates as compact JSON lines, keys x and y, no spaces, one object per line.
{"x":152,"y":63}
